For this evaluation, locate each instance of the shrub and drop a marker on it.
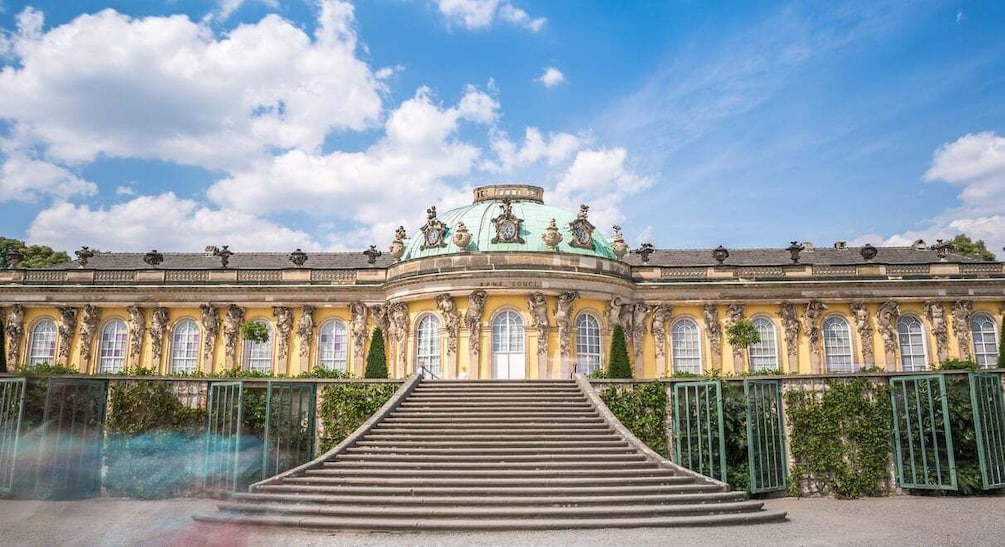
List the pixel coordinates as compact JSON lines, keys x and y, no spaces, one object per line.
{"x":376,"y":358}
{"x":618,"y":364}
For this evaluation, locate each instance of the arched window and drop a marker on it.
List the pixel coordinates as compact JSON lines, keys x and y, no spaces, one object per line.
{"x":42,"y":346}
{"x":764,"y":354}
{"x":258,"y":355}
{"x":912,"y":343}
{"x":333,"y":351}
{"x":685,"y":341}
{"x":427,"y":344}
{"x":112,"y":348}
{"x":982,"y":327}
{"x":587,"y":343}
{"x":837,"y":345}
{"x":508,"y":354}
{"x":184,"y":347}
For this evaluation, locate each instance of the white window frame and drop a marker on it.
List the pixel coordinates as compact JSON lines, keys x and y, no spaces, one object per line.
{"x":764,"y":354}
{"x":113,"y":346}
{"x":685,"y":346}
{"x":257,"y":356}
{"x":839,"y":353}
{"x":42,"y":342}
{"x":333,"y":353}
{"x":911,"y":341}
{"x":186,"y":338}
{"x":984,"y":336}
{"x":589,"y":348}
{"x":427,"y":344}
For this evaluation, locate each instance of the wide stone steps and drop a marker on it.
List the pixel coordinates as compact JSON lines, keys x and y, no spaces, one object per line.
{"x":491,"y":455}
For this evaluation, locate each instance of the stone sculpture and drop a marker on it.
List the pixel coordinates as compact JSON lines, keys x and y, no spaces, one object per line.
{"x":563,"y":319}
{"x":231,"y":327}
{"x":211,"y":327}
{"x":14,"y":330}
{"x":448,"y":311}
{"x":158,"y":324}
{"x":860,"y":312}
{"x":940,"y":330}
{"x":67,"y":324}
{"x":284,"y":326}
{"x":711,"y":316}
{"x":537,"y":304}
{"x":886,"y":322}
{"x":358,"y":315}
{"x":661,"y":316}
{"x":473,"y":320}
{"x":305,"y":330}
{"x":962,"y":311}
{"x":88,"y":325}
{"x":137,"y":325}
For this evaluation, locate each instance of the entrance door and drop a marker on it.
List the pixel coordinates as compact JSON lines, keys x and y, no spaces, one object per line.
{"x":509,"y":357}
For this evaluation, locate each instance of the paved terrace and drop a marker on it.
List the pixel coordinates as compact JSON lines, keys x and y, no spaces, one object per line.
{"x":901,"y":520}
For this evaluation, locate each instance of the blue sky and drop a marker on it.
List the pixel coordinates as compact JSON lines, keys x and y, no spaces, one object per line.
{"x":275,"y":124}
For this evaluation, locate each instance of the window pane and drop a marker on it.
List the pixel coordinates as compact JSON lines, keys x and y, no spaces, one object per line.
{"x":428,"y":344}
{"x":184,"y":347}
{"x":837,"y":345}
{"x":985,"y":337}
{"x":587,"y":344}
{"x":333,"y":344}
{"x":258,"y":356}
{"x":42,"y":348}
{"x":911,"y":337}
{"x":764,"y":354}
{"x":112,"y":352}
{"x":686,"y":347}
{"x":507,"y":333}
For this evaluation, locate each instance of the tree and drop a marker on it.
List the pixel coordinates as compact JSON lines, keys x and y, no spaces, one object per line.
{"x":618,"y":365}
{"x":254,"y":332}
{"x":743,"y":334}
{"x":376,"y":359}
{"x":32,"y":256}
{"x":963,"y":245}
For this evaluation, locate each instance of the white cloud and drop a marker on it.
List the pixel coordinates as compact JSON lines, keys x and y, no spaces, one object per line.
{"x":479,"y":14}
{"x":25,"y":179}
{"x":407,"y":167}
{"x":167,"y":88}
{"x":551,"y":77}
{"x":164,"y":222}
{"x":976,"y":164}
{"x":228,"y":7}
{"x":556,"y":148}
{"x":125,"y":191}
{"x":600,"y":179}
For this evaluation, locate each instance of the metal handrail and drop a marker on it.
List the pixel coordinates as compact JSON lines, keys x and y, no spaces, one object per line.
{"x":426,"y":371}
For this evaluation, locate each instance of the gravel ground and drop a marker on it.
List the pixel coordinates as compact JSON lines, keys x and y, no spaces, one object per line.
{"x":883,"y":521}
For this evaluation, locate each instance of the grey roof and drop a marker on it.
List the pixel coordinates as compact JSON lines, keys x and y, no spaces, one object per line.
{"x":239,"y":261}
{"x":780,"y":257}
{"x":661,"y":257}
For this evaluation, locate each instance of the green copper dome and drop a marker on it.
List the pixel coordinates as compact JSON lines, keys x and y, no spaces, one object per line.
{"x":509,"y":206}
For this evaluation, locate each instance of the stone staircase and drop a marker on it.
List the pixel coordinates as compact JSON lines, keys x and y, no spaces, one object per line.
{"x":491,"y":455}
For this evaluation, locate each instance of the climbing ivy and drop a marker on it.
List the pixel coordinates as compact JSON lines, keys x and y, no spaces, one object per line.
{"x":643,"y":410}
{"x":344,"y":407}
{"x":841,"y":440}
{"x":153,"y":447}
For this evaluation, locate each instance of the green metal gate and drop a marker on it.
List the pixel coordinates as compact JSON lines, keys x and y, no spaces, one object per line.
{"x":766,"y":436}
{"x":989,"y":424}
{"x":12,"y":392}
{"x":923,"y":443}
{"x":223,"y":436}
{"x":72,"y":435}
{"x":699,"y":442}
{"x":289,"y":426}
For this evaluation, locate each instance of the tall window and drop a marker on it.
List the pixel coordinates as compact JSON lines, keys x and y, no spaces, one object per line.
{"x":508,"y":357}
{"x":112,"y":348}
{"x":764,"y":354}
{"x":427,"y":344}
{"x":912,"y":343}
{"x":42,"y":346}
{"x":685,"y":341}
{"x":258,"y":355}
{"x":334,"y":341}
{"x":184,"y":347}
{"x":982,"y":327}
{"x":587,"y":343}
{"x":837,"y":345}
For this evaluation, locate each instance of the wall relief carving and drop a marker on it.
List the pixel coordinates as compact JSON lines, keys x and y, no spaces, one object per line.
{"x":886,"y":323}
{"x":88,"y":325}
{"x":357,"y":317}
{"x":639,"y":313}
{"x":14,"y":331}
{"x":790,"y":323}
{"x":473,"y":320}
{"x":211,"y":328}
{"x":811,"y":324}
{"x":936,"y":313}
{"x":137,"y":326}
{"x":962,"y":311}
{"x":231,"y":328}
{"x":448,"y":312}
{"x":67,"y":324}
{"x":714,"y":329}
{"x":284,"y":327}
{"x":397,"y":313}
{"x":661,"y":316}
{"x":860,"y":311}
{"x":537,"y":304}
{"x":158,"y":325}
{"x":305,"y":330}
{"x":563,"y":318}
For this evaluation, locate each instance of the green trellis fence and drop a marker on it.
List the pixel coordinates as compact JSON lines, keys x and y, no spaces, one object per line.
{"x":699,"y":442}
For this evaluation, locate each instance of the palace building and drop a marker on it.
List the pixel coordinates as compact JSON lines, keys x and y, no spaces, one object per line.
{"x":508,"y":287}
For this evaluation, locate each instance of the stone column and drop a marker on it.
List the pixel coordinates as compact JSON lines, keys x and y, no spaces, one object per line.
{"x":790,"y":323}
{"x":886,"y":320}
{"x":284,"y":326}
{"x":662,"y":316}
{"x":537,"y":305}
{"x":89,"y":323}
{"x":14,"y":330}
{"x":714,"y":331}
{"x":305,"y":335}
